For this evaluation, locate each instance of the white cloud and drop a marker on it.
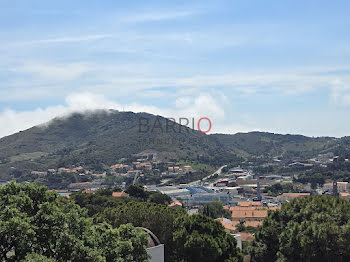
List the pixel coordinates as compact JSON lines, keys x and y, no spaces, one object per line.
{"x":340,"y":92}
{"x":152,"y":17}
{"x":66,"y":39}
{"x":203,"y":105}
{"x":56,"y":72}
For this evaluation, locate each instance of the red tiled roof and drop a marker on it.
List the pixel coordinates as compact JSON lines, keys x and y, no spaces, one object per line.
{"x":227,"y":225}
{"x":248,"y":223}
{"x":175,"y":203}
{"x":246,"y":236}
{"x":250,"y":212}
{"x":293,"y":195}
{"x":250,"y":203}
{"x":344,"y":194}
{"x":80,"y":184}
{"x":67,"y":195}
{"x":119,"y":194}
{"x":231,"y":225}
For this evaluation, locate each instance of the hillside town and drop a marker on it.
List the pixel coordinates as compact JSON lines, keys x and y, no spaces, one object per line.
{"x":244,"y":194}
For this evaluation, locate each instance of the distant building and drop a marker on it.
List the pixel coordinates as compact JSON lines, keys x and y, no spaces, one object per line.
{"x":51,"y":171}
{"x":83,"y":185}
{"x":87,"y":191}
{"x":231,"y":225}
{"x":66,"y":195}
{"x":341,"y":186}
{"x":231,"y":190}
{"x":246,"y":237}
{"x":39,"y":173}
{"x":203,"y":198}
{"x":78,"y":169}
{"x":237,"y":170}
{"x":289,"y":196}
{"x":187,"y":168}
{"x":244,"y":178}
{"x":344,"y":195}
{"x":174,"y":191}
{"x":296,"y":164}
{"x":221,"y":183}
{"x":250,"y":204}
{"x":65,"y":170}
{"x":120,"y":167}
{"x":249,"y":213}
{"x":175,"y":204}
{"x":119,"y":194}
{"x":99,"y":175}
{"x":272,"y":177}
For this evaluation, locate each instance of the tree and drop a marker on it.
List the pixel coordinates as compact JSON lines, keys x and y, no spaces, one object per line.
{"x":117,"y":189}
{"x":104,"y":192}
{"x":129,"y":239}
{"x":200,"y":238}
{"x":241,"y":227}
{"x":96,"y":203}
{"x":33,"y":257}
{"x":159,"y":198}
{"x":315,"y":228}
{"x":137,"y":191}
{"x":214,"y":210}
{"x":278,"y":188}
{"x":157,"y":218}
{"x":313,"y":178}
{"x":35,"y":223}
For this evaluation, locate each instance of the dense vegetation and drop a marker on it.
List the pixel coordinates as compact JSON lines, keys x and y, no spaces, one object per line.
{"x":214,"y":210}
{"x":200,"y":238}
{"x":37,"y":225}
{"x":142,"y":209}
{"x":337,"y":170}
{"x":277,"y":189}
{"x":310,"y":229}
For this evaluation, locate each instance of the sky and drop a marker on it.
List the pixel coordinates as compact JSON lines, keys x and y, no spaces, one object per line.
{"x":275,"y":66}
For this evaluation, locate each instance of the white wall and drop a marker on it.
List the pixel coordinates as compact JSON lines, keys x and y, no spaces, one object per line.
{"x":157,"y":253}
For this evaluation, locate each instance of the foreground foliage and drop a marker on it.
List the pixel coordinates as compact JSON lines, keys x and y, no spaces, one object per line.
{"x":37,"y":225}
{"x":200,"y":238}
{"x":311,"y":229}
{"x":166,"y":223}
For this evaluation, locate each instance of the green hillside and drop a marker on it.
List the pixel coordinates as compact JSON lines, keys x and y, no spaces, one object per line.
{"x":99,"y":139}
{"x":286,"y":146}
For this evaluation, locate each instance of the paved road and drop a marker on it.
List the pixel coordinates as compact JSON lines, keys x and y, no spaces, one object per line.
{"x":205,"y":178}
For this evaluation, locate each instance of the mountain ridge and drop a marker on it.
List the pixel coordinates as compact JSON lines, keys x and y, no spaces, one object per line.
{"x":98,"y":139}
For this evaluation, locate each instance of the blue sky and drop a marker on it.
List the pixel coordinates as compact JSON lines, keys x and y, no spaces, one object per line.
{"x":278,"y":66}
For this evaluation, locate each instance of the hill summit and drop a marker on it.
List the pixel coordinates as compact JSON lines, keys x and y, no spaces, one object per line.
{"x":99,"y":139}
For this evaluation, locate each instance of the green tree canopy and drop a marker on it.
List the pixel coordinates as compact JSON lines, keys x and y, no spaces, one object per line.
{"x":141,"y":194}
{"x":200,"y":238}
{"x":159,"y":198}
{"x":278,"y":188}
{"x":37,"y":224}
{"x":137,"y":191}
{"x":214,"y":210}
{"x":157,"y":218}
{"x":312,"y":229}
